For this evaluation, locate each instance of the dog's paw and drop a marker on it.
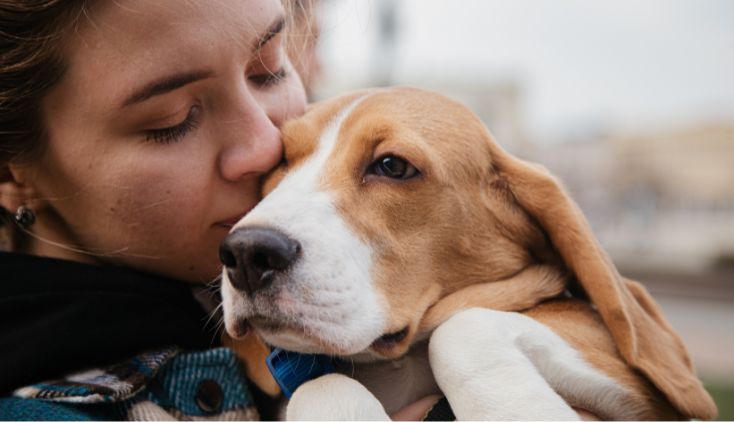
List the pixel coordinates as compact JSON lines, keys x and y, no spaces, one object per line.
{"x":486,"y":374}
{"x":334,"y":397}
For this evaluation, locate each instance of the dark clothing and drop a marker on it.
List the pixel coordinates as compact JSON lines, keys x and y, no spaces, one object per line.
{"x":61,"y":317}
{"x":57,"y":316}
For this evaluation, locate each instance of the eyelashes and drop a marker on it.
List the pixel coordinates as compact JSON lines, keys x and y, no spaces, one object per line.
{"x":175,"y":133}
{"x":269,"y":78}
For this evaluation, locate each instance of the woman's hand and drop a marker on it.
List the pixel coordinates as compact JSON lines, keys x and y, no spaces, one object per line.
{"x":417,"y":410}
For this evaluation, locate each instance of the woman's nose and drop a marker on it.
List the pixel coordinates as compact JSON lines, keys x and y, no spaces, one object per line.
{"x":255,"y":146}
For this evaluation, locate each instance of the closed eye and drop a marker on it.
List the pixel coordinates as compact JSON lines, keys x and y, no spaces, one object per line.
{"x":176,"y":132}
{"x":268,"y":78}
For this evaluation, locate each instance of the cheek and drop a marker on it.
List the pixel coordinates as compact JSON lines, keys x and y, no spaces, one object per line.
{"x":405,"y":216}
{"x":406,"y":229}
{"x":407,"y":279}
{"x":142,"y":203}
{"x":161,"y":221}
{"x":159,"y":204}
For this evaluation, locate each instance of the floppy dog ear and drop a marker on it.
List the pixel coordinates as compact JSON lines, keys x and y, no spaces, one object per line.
{"x":252,"y":352}
{"x":644,"y":338}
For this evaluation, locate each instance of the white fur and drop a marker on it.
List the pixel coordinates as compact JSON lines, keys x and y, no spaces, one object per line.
{"x":334,"y":397}
{"x":505,"y":365}
{"x":329,"y":292}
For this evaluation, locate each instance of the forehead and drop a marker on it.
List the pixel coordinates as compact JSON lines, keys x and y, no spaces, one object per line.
{"x":120,"y":44}
{"x":130,"y":26}
{"x":302,"y":136}
{"x":442,"y":130}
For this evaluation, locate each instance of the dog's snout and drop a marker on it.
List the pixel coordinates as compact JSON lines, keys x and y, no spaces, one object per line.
{"x":253,"y":256}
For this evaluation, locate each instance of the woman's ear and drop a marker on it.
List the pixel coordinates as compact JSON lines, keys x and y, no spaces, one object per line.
{"x":645,"y":340}
{"x":5,"y":174}
{"x":14,"y":189}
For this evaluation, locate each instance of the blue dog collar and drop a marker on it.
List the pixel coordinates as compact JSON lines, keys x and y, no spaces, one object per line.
{"x":291,"y":369}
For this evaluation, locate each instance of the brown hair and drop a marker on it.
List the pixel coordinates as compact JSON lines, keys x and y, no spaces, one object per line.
{"x":302,"y":37}
{"x":30,"y":65}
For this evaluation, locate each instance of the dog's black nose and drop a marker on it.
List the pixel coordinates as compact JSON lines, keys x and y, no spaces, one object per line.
{"x":254,"y":255}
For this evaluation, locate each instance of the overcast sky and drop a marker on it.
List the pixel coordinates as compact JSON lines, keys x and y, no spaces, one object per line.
{"x":626,"y":63}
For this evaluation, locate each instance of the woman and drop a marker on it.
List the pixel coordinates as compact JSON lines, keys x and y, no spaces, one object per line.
{"x":134,"y":134}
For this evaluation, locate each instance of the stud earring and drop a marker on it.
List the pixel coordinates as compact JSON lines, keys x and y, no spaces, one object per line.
{"x":24,"y":217}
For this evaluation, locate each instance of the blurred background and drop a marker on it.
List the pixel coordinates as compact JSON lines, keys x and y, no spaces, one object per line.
{"x":630,"y":103}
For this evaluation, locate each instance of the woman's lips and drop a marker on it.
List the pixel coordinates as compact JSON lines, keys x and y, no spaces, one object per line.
{"x":230,"y":222}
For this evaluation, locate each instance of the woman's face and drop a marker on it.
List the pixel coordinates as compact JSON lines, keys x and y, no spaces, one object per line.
{"x":161,"y":128}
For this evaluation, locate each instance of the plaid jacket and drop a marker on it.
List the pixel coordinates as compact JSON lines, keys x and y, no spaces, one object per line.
{"x":165,"y":384}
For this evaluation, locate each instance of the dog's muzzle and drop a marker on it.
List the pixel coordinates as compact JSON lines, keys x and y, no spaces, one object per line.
{"x":254,"y":256}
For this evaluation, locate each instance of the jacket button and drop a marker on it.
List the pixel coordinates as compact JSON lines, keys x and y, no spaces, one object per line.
{"x":209,"y":396}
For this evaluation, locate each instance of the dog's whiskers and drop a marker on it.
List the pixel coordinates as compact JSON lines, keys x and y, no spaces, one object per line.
{"x":216,"y":312}
{"x":215,"y":285}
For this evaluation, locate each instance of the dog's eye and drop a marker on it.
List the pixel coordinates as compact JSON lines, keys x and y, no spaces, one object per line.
{"x":394,"y":168}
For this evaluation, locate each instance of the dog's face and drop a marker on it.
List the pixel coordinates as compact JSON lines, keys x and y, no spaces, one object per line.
{"x":391,"y":203}
{"x":385,"y":203}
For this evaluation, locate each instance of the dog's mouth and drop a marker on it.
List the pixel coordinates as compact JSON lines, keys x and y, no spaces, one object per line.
{"x":389,"y":341}
{"x":240,"y":329}
{"x":389,"y":345}
{"x":265,"y":324}
{"x":293,"y":337}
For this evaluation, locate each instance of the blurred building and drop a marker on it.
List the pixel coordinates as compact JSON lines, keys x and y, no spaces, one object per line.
{"x":496,"y":102}
{"x":656,"y":199}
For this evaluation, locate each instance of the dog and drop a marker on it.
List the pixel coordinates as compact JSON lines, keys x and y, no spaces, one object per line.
{"x":399,"y":236}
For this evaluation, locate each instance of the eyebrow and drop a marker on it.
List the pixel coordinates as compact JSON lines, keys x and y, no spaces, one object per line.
{"x":274,"y":29}
{"x":172,"y":82}
{"x":164,"y":85}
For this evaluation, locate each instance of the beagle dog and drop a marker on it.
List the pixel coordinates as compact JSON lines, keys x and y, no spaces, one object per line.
{"x":399,"y":236}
